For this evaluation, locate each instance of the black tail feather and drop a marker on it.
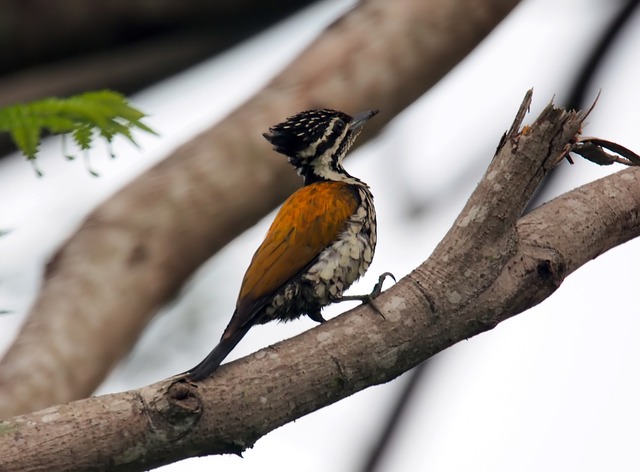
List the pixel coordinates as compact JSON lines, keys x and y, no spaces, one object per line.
{"x":210,"y":363}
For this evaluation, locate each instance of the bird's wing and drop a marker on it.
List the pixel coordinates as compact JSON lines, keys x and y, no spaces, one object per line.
{"x":308,"y":222}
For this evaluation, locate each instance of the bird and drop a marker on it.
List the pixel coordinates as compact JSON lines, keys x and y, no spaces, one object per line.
{"x":322,"y":239}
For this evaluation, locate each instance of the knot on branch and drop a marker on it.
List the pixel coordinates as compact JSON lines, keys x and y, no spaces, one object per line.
{"x":174,"y":410}
{"x":551,"y":272}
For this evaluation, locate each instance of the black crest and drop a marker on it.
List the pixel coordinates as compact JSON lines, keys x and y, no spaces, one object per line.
{"x":301,"y":136}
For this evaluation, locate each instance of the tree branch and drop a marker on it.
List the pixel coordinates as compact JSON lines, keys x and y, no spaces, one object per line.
{"x":493,"y":264}
{"x":136,"y":250}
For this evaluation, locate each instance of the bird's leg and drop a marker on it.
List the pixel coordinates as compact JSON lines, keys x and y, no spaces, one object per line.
{"x":368,"y":298}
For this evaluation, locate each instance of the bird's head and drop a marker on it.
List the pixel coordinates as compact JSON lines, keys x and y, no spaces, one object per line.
{"x":316,"y":141}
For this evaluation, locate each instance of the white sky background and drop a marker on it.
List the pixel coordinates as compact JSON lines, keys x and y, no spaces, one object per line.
{"x":552,"y":389}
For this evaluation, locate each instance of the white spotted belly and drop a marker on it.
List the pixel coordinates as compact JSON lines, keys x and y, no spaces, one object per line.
{"x":342,"y":263}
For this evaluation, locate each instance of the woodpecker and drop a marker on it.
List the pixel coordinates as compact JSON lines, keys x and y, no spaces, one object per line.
{"x":320,"y":242}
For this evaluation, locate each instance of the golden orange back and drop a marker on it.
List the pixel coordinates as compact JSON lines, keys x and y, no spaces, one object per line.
{"x":309,"y":221}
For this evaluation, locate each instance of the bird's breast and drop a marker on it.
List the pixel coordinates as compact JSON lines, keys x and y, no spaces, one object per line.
{"x":343,"y":260}
{"x":348,"y":257}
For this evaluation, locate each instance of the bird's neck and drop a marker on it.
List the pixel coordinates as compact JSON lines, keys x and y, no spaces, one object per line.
{"x":326,"y":168}
{"x":335,"y":173}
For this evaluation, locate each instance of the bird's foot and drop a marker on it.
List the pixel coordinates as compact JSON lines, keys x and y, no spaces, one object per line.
{"x":369,"y":298}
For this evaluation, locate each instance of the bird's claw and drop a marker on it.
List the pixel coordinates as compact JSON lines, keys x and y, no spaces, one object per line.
{"x":369,"y":298}
{"x":377,"y":288}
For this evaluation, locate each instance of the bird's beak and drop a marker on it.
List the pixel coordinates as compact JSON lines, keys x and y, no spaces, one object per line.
{"x":361,"y":118}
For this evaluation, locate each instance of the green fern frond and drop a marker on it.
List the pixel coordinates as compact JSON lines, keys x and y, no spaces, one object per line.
{"x":83,"y":136}
{"x":103,"y":113}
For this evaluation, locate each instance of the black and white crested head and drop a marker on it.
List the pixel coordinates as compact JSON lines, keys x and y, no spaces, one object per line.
{"x":316,"y":141}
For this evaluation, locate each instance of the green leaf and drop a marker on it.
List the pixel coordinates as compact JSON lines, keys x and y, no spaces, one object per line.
{"x":103,"y":113}
{"x":27,"y":138}
{"x":82,"y":136}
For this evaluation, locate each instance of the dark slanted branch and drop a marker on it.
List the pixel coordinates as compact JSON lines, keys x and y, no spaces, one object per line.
{"x":493,"y":264}
{"x":120,"y":45}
